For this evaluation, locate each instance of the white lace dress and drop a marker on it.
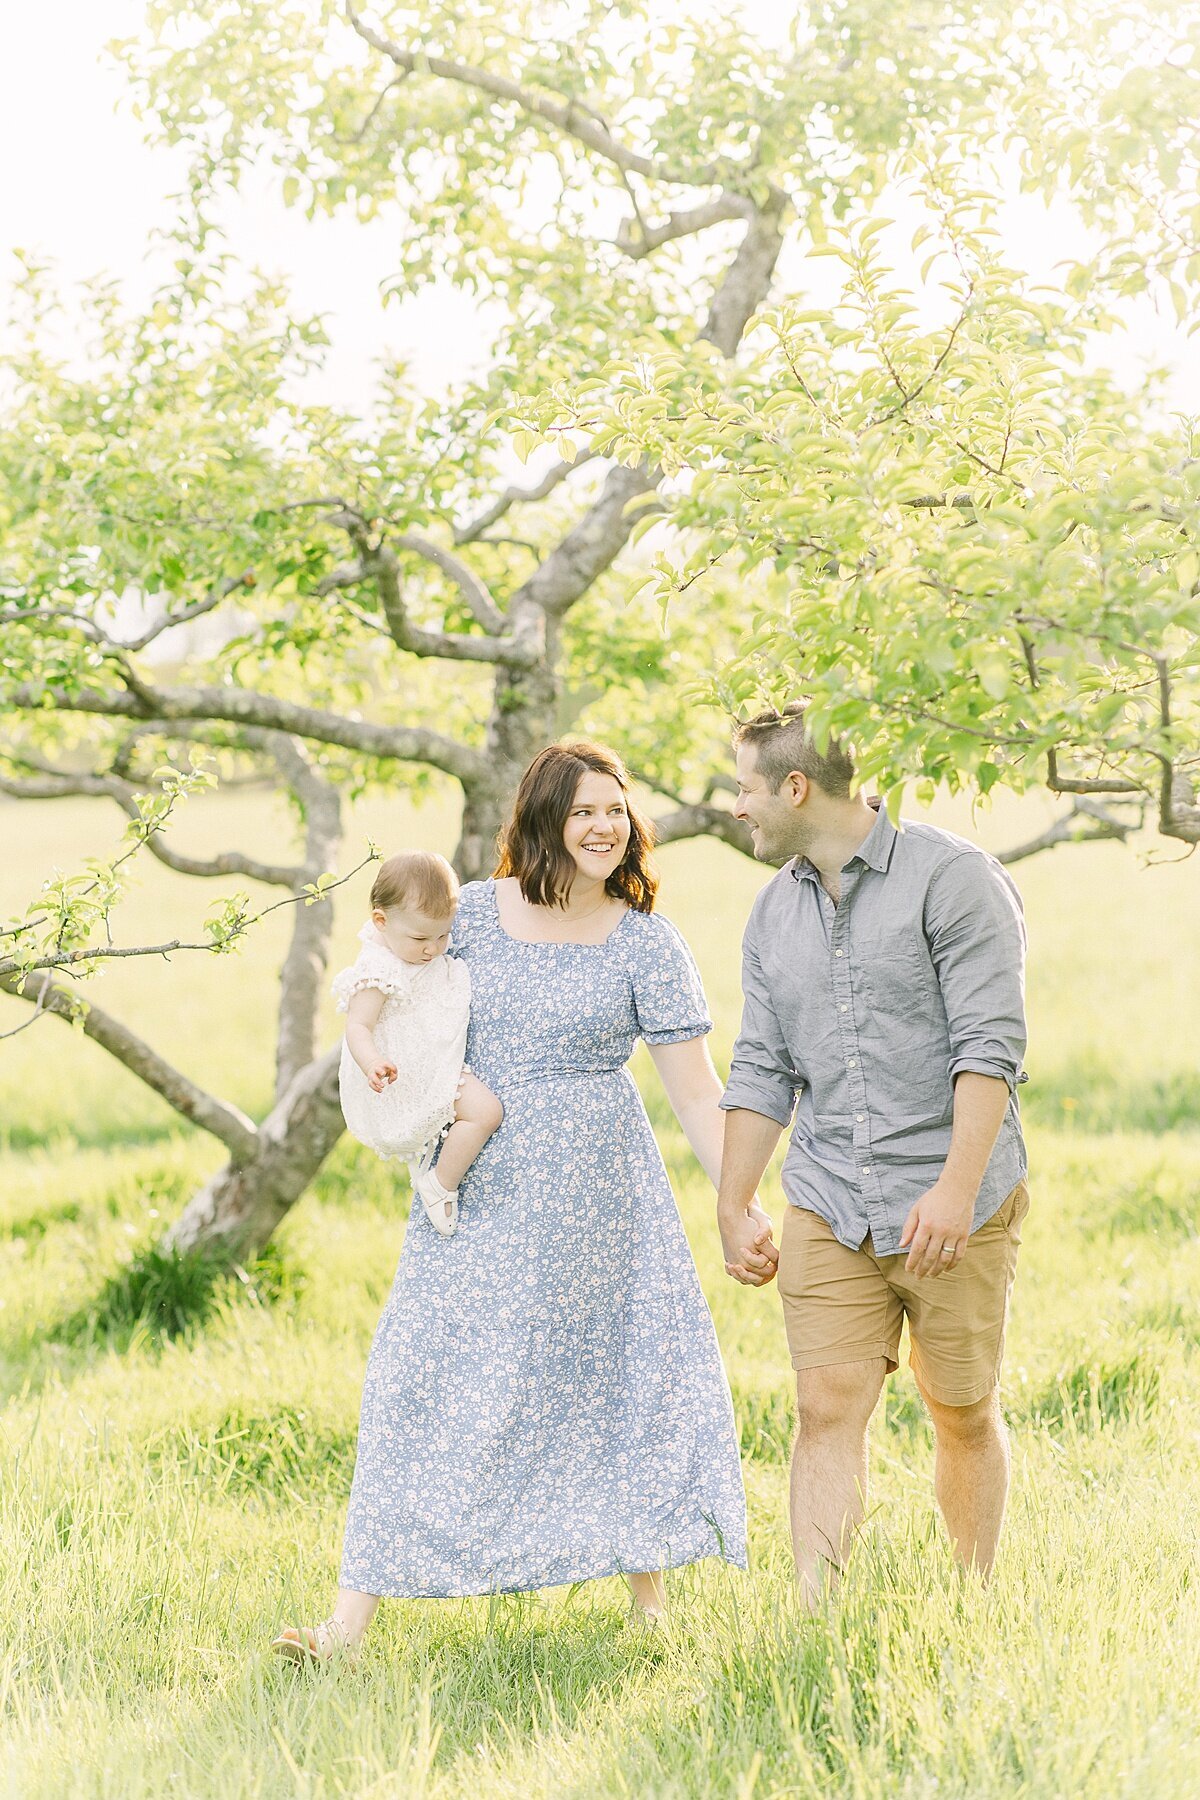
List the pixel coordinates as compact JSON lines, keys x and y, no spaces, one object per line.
{"x":422,"y":1028}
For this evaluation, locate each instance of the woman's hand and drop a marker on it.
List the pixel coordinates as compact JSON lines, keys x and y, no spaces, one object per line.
{"x":751,"y":1256}
{"x":750,"y":1253}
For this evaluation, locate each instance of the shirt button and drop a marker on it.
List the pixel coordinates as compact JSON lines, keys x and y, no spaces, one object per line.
{"x":867,"y":1170}
{"x":843,"y":1008}
{"x":852,"y":1063}
{"x":839,"y":953}
{"x":860,"y":1117}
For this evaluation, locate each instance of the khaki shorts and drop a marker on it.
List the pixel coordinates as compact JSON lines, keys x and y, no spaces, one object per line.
{"x":843,"y":1306}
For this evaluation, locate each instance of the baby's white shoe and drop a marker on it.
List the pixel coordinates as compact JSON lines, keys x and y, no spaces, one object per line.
{"x":440,"y":1203}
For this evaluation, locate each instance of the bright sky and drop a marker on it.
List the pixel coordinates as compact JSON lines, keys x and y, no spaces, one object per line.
{"x":82,"y":188}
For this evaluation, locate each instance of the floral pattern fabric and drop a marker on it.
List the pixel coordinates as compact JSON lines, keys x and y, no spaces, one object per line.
{"x":545,"y":1400}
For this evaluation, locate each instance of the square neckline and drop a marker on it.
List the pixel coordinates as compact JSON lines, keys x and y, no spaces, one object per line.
{"x":549,"y":943}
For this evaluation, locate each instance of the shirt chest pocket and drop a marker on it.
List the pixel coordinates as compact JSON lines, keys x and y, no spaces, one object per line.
{"x":894,"y":973}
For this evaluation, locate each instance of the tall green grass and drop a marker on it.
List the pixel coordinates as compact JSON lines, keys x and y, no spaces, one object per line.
{"x":174,"y":1461}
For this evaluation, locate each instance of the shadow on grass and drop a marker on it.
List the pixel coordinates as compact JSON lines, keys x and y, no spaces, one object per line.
{"x":160,"y":1295}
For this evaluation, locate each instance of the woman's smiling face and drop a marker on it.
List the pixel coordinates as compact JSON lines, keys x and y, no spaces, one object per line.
{"x":596,"y":834}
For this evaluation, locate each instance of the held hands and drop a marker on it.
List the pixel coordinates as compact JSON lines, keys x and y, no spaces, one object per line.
{"x":750,"y":1255}
{"x":379,"y":1073}
{"x":937,"y":1229}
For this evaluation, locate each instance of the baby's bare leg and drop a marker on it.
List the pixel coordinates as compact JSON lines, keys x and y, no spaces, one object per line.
{"x":477,"y":1114}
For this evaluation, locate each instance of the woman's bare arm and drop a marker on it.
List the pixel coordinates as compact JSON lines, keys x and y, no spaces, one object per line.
{"x":694,"y":1090}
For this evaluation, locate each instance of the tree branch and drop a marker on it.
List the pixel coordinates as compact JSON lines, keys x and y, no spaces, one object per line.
{"x":48,"y":614}
{"x":114,"y":787}
{"x":1062,"y":784}
{"x":638,"y":240}
{"x":1086,"y":823}
{"x":591,"y":545}
{"x":702,"y":820}
{"x":226,"y":1123}
{"x":479,"y":601}
{"x":744,"y":286}
{"x":512,"y":496}
{"x":1178,"y":815}
{"x":455,"y":646}
{"x":379,"y":564}
{"x":239,"y":706}
{"x":564,"y":112}
{"x":197,"y":608}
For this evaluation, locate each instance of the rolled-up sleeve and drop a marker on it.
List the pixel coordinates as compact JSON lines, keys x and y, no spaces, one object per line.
{"x":761,"y":1076}
{"x":975,"y":926}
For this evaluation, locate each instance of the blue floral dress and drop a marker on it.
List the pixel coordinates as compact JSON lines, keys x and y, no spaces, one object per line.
{"x":545,"y":1400}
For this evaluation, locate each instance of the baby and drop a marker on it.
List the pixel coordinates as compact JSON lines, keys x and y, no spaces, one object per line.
{"x":402,"y":1077}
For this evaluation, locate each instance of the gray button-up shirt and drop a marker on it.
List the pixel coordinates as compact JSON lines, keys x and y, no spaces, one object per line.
{"x":859,"y":1017}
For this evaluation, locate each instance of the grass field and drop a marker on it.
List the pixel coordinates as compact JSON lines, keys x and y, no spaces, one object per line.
{"x":166,"y":1501}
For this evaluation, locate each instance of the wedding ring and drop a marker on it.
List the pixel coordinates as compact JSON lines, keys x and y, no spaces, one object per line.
{"x":946,"y":1250}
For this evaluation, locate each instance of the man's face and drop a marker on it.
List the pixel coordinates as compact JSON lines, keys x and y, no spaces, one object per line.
{"x":775,"y":822}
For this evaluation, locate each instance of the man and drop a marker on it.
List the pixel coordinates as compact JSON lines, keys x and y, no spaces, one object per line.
{"x":883,"y":983}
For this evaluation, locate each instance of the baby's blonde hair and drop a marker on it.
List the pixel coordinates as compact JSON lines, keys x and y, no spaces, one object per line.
{"x":418,"y":879}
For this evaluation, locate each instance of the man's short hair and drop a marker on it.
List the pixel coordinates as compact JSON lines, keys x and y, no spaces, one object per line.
{"x":782,"y":744}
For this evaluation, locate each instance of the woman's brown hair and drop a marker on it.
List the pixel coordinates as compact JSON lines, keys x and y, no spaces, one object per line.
{"x":531,"y":842}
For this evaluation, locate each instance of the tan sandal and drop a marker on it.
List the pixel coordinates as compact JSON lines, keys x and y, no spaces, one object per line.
{"x":315,"y":1644}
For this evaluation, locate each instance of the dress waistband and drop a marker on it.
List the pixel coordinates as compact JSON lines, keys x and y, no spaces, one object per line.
{"x":535,"y":1076}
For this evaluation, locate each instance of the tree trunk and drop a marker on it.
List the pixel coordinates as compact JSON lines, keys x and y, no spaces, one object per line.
{"x":302,"y":979}
{"x":524,"y":719}
{"x":235,"y":1213}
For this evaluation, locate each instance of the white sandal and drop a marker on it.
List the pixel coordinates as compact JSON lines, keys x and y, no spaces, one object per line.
{"x":323,"y":1643}
{"x":441,"y":1204}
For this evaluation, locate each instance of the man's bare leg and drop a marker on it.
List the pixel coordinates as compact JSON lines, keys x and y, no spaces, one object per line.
{"x":829,"y":1466}
{"x":971,"y":1476}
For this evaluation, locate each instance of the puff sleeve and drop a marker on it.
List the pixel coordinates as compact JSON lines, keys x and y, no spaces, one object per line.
{"x":472,"y":901}
{"x":373,"y":968}
{"x":668,"y":995}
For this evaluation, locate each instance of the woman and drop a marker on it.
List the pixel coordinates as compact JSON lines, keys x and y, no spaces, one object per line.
{"x":545,"y":1400}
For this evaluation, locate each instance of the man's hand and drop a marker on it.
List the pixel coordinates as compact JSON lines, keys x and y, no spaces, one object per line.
{"x":750,"y":1255}
{"x":937,"y":1229}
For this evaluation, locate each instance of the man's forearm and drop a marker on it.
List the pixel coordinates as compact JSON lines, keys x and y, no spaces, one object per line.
{"x":750,"y":1139}
{"x":980,"y":1103}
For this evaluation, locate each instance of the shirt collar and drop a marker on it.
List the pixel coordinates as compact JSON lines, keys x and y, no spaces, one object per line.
{"x":875,"y":850}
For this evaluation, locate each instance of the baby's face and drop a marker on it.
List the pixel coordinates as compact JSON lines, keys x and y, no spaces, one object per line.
{"x":412,"y":936}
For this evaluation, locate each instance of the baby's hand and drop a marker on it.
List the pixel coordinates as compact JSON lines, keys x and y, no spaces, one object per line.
{"x":379,"y":1074}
